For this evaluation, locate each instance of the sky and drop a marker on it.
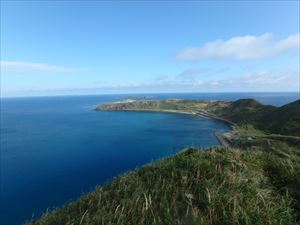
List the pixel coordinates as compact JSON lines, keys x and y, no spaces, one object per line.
{"x":92,"y":47}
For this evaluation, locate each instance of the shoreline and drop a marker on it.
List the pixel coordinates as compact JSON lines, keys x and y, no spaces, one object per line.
{"x":206,"y":115}
{"x":152,"y":110}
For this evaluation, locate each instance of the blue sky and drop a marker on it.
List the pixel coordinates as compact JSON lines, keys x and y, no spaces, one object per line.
{"x":90,"y":47}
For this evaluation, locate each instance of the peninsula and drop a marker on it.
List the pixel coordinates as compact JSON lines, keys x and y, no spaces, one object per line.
{"x":241,"y":115}
{"x":204,"y":108}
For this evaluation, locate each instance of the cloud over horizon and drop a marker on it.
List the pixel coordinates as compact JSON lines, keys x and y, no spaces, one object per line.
{"x":262,"y":80}
{"x":23,"y":66}
{"x":246,"y":47}
{"x":266,"y":80}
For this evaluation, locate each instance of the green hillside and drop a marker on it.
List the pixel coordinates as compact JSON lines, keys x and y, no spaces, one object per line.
{"x":217,"y":186}
{"x":277,"y":120}
{"x":246,"y":111}
{"x":284,"y":120}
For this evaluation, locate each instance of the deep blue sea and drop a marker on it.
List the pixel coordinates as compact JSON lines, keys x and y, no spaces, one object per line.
{"x":54,"y":149}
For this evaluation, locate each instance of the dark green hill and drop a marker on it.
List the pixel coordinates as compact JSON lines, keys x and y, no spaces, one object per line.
{"x":247,"y":103}
{"x":278,"y":120}
{"x":246,"y":111}
{"x":284,"y":120}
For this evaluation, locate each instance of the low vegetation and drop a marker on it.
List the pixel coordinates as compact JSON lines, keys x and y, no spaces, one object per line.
{"x":212,"y":186}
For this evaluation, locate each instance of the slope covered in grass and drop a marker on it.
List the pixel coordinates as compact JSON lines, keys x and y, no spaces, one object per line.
{"x":213,"y":186}
{"x":246,"y":111}
{"x":277,"y":120}
{"x":285,"y":119}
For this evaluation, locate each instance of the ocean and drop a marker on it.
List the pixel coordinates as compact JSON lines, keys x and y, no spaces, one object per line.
{"x":54,"y":149}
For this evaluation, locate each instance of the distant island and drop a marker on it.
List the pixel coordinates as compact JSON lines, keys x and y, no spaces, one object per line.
{"x":253,"y":179}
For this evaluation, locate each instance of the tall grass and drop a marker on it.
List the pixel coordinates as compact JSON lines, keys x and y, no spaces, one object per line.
{"x":217,"y":186}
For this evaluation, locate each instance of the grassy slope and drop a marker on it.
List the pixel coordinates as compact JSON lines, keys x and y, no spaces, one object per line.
{"x":285,"y":120}
{"x":216,"y":186}
{"x":246,"y":111}
{"x":278,"y":120}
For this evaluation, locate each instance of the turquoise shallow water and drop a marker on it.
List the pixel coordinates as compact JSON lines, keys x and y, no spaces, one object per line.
{"x":53,"y":149}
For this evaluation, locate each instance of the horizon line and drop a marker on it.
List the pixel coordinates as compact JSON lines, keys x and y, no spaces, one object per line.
{"x":150,"y":93}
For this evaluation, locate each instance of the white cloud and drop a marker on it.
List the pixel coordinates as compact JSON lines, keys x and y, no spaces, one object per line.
{"x":22,"y":66}
{"x":196,"y":73}
{"x":264,"y":78}
{"x":162,"y":78}
{"x":241,"y":48}
{"x":215,"y":83}
{"x":193,"y":73}
{"x":261,"y":80}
